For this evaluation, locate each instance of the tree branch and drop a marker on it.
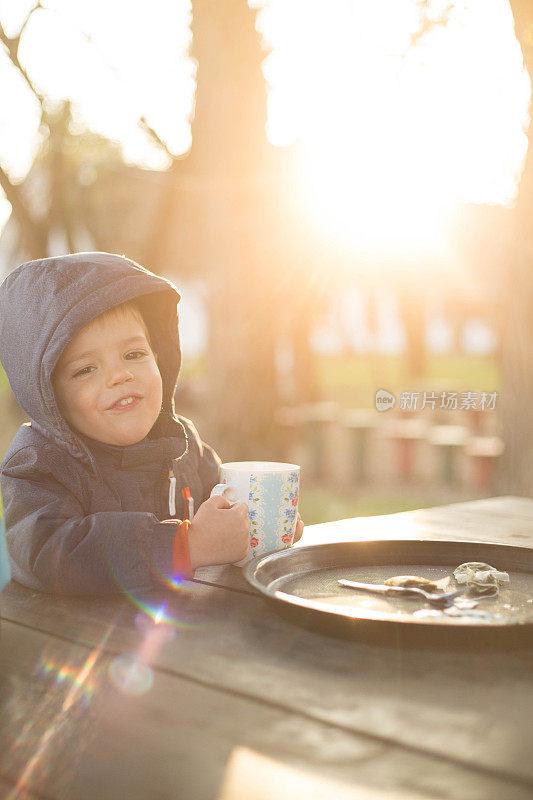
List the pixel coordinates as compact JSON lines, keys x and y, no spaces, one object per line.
{"x":143,"y":124}
{"x":13,"y":195}
{"x":34,"y":235}
{"x":428,"y":22}
{"x":35,"y":8}
{"x":12,"y":45}
{"x":33,"y":232}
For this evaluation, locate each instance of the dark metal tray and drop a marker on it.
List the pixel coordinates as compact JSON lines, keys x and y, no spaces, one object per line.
{"x":306,"y":578}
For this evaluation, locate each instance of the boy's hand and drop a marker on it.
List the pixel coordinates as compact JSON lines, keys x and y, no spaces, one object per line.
{"x":299,"y":529}
{"x":219,"y":533}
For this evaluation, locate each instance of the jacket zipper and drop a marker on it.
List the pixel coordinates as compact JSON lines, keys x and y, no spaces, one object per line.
{"x":172,"y":493}
{"x":188,"y":501}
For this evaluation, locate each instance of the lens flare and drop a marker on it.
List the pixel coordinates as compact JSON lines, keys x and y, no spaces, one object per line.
{"x":157,"y":613}
{"x":156,"y":610}
{"x":80,"y":684}
{"x":157,"y":626}
{"x":131,"y":675}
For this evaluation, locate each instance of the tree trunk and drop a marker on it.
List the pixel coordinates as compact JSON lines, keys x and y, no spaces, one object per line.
{"x":306,"y":389}
{"x":411,"y":305}
{"x":230,"y":148}
{"x":516,"y":472}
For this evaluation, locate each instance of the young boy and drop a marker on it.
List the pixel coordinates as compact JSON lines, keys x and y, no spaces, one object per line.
{"x":98,"y":486}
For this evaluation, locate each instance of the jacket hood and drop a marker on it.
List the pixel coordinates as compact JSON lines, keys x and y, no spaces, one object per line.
{"x":44,"y":303}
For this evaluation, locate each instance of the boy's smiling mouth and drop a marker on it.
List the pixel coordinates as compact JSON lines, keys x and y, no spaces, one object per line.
{"x":125,"y":402}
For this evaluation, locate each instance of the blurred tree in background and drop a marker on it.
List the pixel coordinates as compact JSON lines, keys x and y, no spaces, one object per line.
{"x":514,"y":283}
{"x":225,"y":212}
{"x":218,"y":213}
{"x":517,"y":347}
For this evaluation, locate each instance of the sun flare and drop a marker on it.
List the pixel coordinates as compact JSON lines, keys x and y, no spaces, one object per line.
{"x":394,"y":211}
{"x":391,"y":136}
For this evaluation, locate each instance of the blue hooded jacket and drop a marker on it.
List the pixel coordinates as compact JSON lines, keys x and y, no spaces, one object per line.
{"x":83,"y":517}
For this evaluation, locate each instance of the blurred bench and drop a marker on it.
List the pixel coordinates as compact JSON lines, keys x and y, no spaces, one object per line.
{"x":317,"y":420}
{"x":484,"y":452}
{"x":407,"y":434}
{"x":360,"y":424}
{"x":305,"y":433}
{"x":447,"y":441}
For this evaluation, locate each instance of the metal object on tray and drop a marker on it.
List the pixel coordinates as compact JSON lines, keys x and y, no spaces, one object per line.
{"x":439,"y":599}
{"x":308,"y":578}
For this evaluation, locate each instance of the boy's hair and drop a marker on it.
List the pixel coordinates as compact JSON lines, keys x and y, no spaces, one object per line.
{"x":122,"y":309}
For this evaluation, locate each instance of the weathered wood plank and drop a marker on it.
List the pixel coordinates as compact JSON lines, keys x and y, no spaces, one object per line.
{"x":496,"y":519}
{"x":436,"y":699}
{"x":492,"y":520}
{"x":509,"y":504}
{"x":253,"y":776}
{"x":67,"y":731}
{"x":8,"y":791}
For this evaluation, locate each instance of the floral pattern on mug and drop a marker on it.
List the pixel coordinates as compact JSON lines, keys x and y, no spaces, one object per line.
{"x":256,"y":510}
{"x":288,"y":510}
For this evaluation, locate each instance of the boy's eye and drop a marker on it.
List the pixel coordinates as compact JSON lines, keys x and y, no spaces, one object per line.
{"x":83,"y":371}
{"x":133,"y":354}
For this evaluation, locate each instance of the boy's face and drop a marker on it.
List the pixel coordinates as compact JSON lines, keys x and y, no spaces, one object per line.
{"x":107,"y":381}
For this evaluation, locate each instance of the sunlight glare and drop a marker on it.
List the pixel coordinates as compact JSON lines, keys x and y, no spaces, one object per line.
{"x":391,"y":137}
{"x":116,"y":64}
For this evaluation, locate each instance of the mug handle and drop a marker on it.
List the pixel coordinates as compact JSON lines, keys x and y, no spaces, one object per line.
{"x":227,"y":492}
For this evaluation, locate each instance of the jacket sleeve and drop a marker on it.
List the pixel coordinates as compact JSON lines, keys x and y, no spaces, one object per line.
{"x":54,"y":547}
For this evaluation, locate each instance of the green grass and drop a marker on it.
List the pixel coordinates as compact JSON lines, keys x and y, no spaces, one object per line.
{"x":353,"y":380}
{"x":319,"y":504}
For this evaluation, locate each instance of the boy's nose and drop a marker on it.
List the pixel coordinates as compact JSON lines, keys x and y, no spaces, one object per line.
{"x":119,"y":375}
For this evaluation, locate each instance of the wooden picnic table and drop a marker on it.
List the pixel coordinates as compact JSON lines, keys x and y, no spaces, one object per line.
{"x":235,"y":700}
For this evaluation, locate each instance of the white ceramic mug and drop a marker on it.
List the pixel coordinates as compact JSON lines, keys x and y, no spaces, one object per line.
{"x":270,"y":490}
